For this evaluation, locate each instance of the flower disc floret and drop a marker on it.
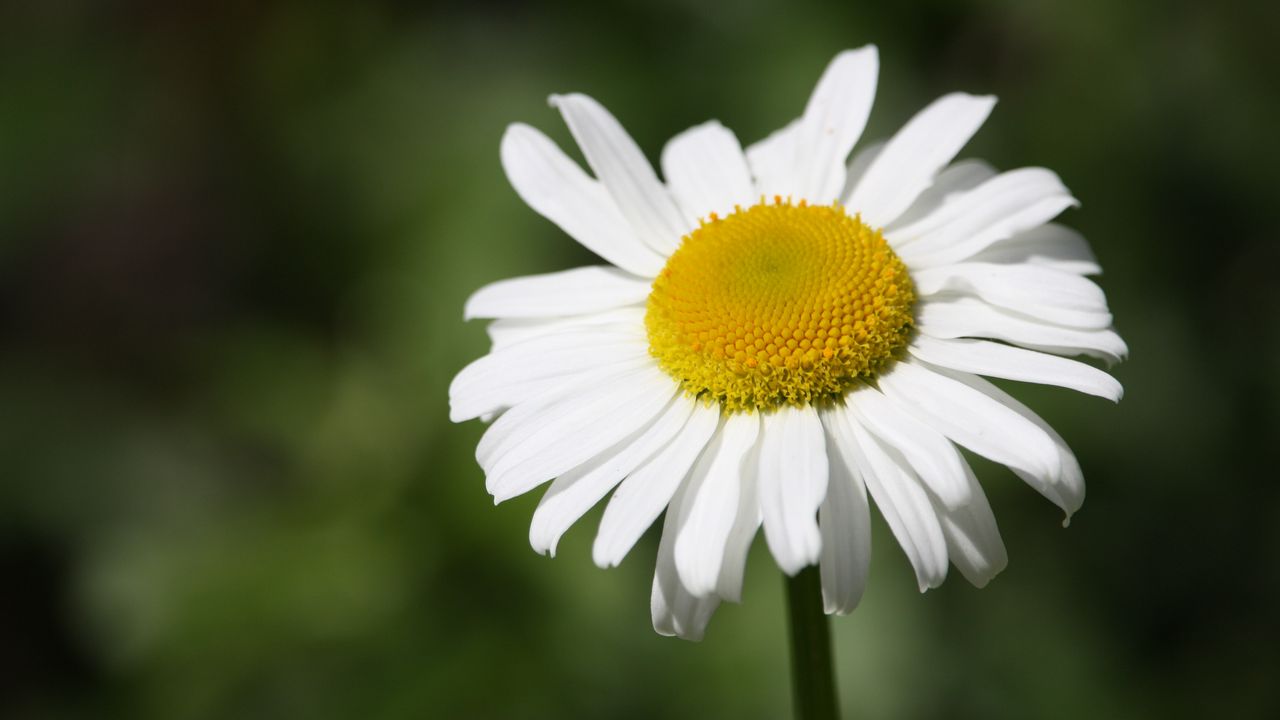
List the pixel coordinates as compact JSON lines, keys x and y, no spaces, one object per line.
{"x":779,"y":303}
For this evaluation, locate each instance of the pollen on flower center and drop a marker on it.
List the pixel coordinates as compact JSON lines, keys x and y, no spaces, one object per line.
{"x":779,"y":303}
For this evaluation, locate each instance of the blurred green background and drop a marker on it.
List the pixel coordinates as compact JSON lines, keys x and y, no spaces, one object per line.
{"x":235,"y":240}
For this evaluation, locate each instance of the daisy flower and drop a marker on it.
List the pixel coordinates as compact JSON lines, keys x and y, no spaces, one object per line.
{"x":780,"y":334}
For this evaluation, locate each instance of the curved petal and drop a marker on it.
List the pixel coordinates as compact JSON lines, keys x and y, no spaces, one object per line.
{"x":707,"y":172}
{"x":957,"y":179}
{"x":793,"y":483}
{"x":508,"y":331}
{"x":1064,"y":488}
{"x":915,"y":154}
{"x":640,"y":498}
{"x":970,"y":317}
{"x":529,"y":447}
{"x":999,"y":208}
{"x":590,"y":289}
{"x":971,"y":418}
{"x":772,"y":162}
{"x":553,"y":185}
{"x":746,"y":523}
{"x":523,"y":370}
{"x":931,"y":455}
{"x":858,"y":165}
{"x":902,"y":501}
{"x":832,"y":122}
{"x":1049,"y":245}
{"x":578,"y":490}
{"x":1051,"y":295}
{"x":973,"y":539}
{"x":715,"y":486}
{"x":845,"y":522}
{"x":1013,"y":363}
{"x":626,"y":174}
{"x":676,"y":611}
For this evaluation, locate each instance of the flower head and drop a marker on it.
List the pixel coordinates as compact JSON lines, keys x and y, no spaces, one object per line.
{"x":780,"y":332}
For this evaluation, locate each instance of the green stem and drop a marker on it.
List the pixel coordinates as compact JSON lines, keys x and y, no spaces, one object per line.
{"x":813,"y":687}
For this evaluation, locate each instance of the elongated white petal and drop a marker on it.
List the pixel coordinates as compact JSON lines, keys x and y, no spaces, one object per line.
{"x":553,"y":185}
{"x":570,"y":430}
{"x":572,"y":292}
{"x":626,"y":174}
{"x":508,"y":331}
{"x":973,"y":540}
{"x":1055,"y":296}
{"x":996,"y":210}
{"x":832,"y":122}
{"x":970,"y":418}
{"x":931,"y":455}
{"x":514,"y":419}
{"x":1050,"y":245}
{"x":859,"y":164}
{"x":707,"y":172}
{"x":772,"y":162}
{"x":714,"y":487}
{"x":902,"y":500}
{"x":676,"y":611}
{"x":955,"y":180}
{"x":1013,"y":363}
{"x":1009,"y":187}
{"x":746,"y":523}
{"x":915,"y":154}
{"x":523,"y":370}
{"x":845,"y":522}
{"x":1064,"y":488}
{"x":578,"y":490}
{"x":970,"y":317}
{"x":793,"y":483}
{"x":642,"y":496}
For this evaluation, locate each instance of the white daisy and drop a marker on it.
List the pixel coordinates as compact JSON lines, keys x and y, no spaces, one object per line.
{"x":778,"y":333}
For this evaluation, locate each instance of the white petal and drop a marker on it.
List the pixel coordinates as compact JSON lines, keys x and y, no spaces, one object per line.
{"x":970,"y":317}
{"x":793,"y":483}
{"x":626,"y":174}
{"x":1051,"y":295}
{"x":520,"y":414}
{"x":530,"y":448}
{"x":523,"y":370}
{"x":973,"y":540}
{"x":972,"y":197}
{"x":970,"y":222}
{"x":859,"y":164}
{"x":707,"y":172}
{"x":642,"y":496}
{"x":714,"y":490}
{"x":971,"y":418}
{"x":1013,"y":363}
{"x":1064,"y":488}
{"x":674,"y":609}
{"x":902,"y":500}
{"x":957,"y":179}
{"x":915,"y":154}
{"x":931,"y":455}
{"x":772,"y":162}
{"x":832,"y":122}
{"x":571,"y":292}
{"x":577,"y":491}
{"x":553,"y":185}
{"x":508,"y":331}
{"x":1050,"y":245}
{"x":845,"y":522}
{"x":746,"y":523}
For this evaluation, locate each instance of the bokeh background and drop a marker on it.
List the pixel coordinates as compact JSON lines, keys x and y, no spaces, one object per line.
{"x":235,"y":240}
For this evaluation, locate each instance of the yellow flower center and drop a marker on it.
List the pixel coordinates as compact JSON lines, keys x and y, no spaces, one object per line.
{"x":777,"y":304}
